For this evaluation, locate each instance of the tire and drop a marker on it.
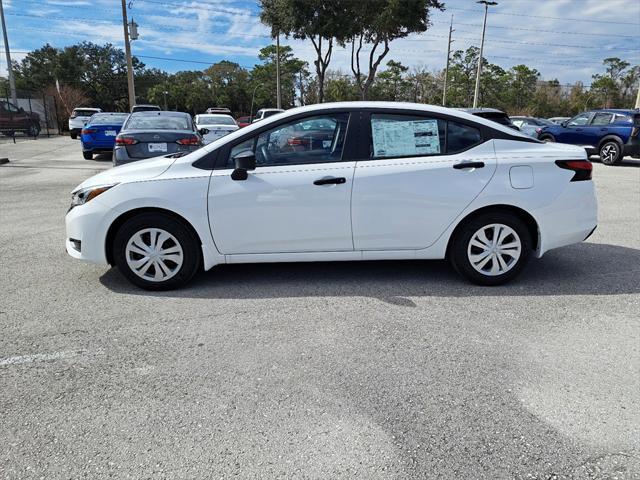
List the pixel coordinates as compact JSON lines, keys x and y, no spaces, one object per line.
{"x":73,"y":136}
{"x":547,"y":138}
{"x":610,"y":152}
{"x":178,"y":267}
{"x":87,"y":155}
{"x":34,"y":130}
{"x":498,"y":269}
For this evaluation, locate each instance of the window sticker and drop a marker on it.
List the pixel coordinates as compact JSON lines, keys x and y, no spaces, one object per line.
{"x":399,"y":138}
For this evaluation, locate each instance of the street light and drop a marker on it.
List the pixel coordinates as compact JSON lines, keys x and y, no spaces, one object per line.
{"x":484,"y":26}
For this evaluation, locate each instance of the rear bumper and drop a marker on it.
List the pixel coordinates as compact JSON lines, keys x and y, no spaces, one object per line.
{"x":121,"y":155}
{"x":632,"y":147}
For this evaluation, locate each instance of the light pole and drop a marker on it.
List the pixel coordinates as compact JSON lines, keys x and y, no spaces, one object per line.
{"x":446,"y":69}
{"x":253,"y":96}
{"x":484,"y":27}
{"x":165,"y":100}
{"x":12,"y":81}
{"x":127,"y":50}
{"x":278,"y":93}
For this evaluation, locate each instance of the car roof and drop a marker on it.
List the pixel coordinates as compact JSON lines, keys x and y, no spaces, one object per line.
{"x":88,"y":108}
{"x":160,"y":112}
{"x":480,"y":110}
{"x":616,"y":110}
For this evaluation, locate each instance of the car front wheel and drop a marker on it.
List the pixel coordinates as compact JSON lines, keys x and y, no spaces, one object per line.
{"x":610,"y":152}
{"x":156,"y":252}
{"x":491,"y":249}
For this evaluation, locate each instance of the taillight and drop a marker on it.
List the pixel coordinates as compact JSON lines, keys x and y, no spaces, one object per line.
{"x":635,"y":131}
{"x":73,"y":115}
{"x":121,"y":140}
{"x":86,"y":131}
{"x":189,"y":141}
{"x":582,"y":168}
{"x":538,"y":130}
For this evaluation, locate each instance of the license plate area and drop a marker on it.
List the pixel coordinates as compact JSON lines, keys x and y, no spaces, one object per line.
{"x":157,"y":147}
{"x":109,"y":133}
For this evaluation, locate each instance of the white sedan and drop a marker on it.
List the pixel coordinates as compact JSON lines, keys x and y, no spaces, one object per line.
{"x":342,"y":181}
{"x":218,"y":125}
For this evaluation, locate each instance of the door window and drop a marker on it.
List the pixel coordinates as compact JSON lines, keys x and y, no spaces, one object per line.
{"x":399,"y":136}
{"x":601,"y":119}
{"x":579,"y":120}
{"x":317,"y":139}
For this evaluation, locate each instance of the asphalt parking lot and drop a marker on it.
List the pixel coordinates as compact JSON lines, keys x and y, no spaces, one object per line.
{"x":385,"y":370}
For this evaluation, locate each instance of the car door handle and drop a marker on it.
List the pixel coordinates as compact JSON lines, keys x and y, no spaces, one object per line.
{"x":460,"y":166}
{"x":330,"y":180}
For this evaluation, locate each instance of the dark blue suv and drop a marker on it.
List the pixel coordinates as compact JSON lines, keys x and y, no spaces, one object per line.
{"x":610,"y":133}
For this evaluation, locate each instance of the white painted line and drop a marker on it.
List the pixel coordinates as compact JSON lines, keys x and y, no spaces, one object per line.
{"x":40,"y":357}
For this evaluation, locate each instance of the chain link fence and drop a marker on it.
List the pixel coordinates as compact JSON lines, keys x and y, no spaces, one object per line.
{"x":28,"y":116}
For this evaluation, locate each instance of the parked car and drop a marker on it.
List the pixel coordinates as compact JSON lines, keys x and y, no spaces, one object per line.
{"x":492,"y":114}
{"x":145,"y":108}
{"x":16,"y":119}
{"x":530,"y":125}
{"x":609,"y":133}
{"x":224,"y":110}
{"x":218,"y":125}
{"x":99,"y":134}
{"x":395,"y":181}
{"x":558,"y":120}
{"x":243,"y":121}
{"x":80,"y":116}
{"x":265,"y":113}
{"x":150,"y":134}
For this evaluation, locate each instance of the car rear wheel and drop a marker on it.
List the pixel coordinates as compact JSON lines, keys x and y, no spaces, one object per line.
{"x":610,"y":152}
{"x":34,"y":130}
{"x":73,"y":136}
{"x":491,"y":249}
{"x":87,"y":155}
{"x":156,"y":252}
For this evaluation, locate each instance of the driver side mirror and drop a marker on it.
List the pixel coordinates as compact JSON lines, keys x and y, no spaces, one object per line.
{"x":203,"y":131}
{"x":244,"y":161}
{"x":565,"y":124}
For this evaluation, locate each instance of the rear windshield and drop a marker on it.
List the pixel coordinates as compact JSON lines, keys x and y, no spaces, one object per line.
{"x":83,"y":113}
{"x":145,"y":108}
{"x":108,"y":118}
{"x":268,"y":113}
{"x":500,"y":118}
{"x":158,"y":122}
{"x":216,"y":120}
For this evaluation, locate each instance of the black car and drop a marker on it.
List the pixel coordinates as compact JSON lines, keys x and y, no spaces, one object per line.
{"x":153,"y":134}
{"x":492,"y":114}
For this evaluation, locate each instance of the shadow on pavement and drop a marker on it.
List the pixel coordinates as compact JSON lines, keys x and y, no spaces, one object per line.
{"x":582,"y":269}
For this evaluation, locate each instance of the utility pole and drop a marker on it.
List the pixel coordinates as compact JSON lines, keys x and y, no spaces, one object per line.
{"x":12,"y":81}
{"x":638,"y":98}
{"x":127,"y":50}
{"x":278,"y":93}
{"x":446,"y":69}
{"x":486,"y":4}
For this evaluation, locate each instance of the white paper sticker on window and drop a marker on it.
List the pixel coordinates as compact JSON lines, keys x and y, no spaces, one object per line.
{"x":398,"y":138}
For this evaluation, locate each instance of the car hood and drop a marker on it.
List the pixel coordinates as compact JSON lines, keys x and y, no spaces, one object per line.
{"x":131,"y":172}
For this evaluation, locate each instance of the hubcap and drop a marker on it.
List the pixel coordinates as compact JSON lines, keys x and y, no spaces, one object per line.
{"x":494,"y":249}
{"x":154,"y":254}
{"x":608,"y":153}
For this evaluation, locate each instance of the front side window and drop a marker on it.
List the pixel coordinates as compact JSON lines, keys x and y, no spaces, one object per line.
{"x":579,"y":120}
{"x":316,"y":139}
{"x":601,"y":119}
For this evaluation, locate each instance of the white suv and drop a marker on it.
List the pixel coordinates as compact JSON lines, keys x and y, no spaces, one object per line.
{"x":78,"y":118}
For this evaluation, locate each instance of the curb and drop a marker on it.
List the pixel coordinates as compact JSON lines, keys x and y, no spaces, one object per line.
{"x":3,"y":161}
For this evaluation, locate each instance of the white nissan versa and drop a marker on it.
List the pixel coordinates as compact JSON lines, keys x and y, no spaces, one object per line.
{"x":342,"y":181}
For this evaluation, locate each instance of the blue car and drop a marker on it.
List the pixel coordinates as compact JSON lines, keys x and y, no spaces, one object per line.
{"x":99,"y":133}
{"x":609,"y":133}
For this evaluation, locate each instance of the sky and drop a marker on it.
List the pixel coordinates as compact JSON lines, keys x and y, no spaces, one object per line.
{"x":563,"y":39}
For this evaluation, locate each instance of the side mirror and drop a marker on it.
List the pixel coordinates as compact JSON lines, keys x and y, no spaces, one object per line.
{"x":244,"y":161}
{"x":565,"y":123}
{"x":203,"y":131}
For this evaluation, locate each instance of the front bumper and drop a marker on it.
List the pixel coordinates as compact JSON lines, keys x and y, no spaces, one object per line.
{"x":86,"y":232}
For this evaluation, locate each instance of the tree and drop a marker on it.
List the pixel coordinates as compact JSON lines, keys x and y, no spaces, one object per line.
{"x":392,"y":84}
{"x":317,"y":20}
{"x":378,"y":23}
{"x":263,"y":77}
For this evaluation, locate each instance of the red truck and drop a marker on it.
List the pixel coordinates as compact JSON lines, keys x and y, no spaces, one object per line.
{"x":16,"y":119}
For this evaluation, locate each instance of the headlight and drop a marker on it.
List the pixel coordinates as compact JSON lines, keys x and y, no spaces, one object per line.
{"x":82,"y":196}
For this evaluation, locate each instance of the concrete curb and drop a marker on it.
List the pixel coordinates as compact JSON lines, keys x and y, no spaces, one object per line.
{"x":3,"y":161}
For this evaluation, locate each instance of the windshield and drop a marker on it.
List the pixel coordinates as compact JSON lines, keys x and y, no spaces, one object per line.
{"x":108,"y":118}
{"x":158,"y":122}
{"x":215,"y":120}
{"x":83,"y":113}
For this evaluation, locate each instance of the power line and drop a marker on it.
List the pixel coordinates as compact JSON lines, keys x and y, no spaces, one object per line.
{"x":545,"y":17}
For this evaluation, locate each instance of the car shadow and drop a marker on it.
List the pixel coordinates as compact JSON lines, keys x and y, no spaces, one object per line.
{"x":582,"y":269}
{"x":102,"y":157}
{"x":625,"y":162}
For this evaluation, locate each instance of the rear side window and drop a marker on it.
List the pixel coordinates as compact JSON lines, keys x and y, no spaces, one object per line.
{"x":601,"y":119}
{"x":461,"y":137}
{"x":622,"y":118}
{"x":394,"y":136}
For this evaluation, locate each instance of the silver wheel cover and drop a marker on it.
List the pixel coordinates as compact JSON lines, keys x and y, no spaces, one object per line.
{"x":494,"y":249}
{"x":154,"y":254}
